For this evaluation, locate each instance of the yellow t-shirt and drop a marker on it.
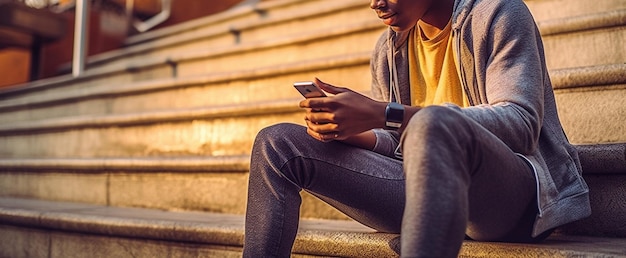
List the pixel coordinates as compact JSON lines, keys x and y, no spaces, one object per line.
{"x":432,"y":69}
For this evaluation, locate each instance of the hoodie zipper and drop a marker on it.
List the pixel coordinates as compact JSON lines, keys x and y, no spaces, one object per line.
{"x":394,"y":89}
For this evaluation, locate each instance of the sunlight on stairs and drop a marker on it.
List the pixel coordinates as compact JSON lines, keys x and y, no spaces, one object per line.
{"x":147,"y":154}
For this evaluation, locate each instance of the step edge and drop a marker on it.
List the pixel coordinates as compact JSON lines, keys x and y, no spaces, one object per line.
{"x":227,"y":229}
{"x":578,"y":77}
{"x":587,"y":22}
{"x":222,"y":164}
{"x":97,"y":219}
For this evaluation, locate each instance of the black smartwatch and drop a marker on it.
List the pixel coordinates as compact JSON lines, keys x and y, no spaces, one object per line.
{"x":394,"y":115}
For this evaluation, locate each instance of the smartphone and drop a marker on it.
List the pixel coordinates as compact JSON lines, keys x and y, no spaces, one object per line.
{"x":309,"y":89}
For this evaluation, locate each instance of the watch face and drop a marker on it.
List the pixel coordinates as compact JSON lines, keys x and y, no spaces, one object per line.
{"x":394,"y":115}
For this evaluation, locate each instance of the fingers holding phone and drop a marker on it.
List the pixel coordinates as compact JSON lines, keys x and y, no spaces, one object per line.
{"x":317,"y":113}
{"x":315,"y":118}
{"x":309,"y":90}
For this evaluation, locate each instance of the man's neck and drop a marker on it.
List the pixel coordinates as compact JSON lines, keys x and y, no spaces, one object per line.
{"x":437,"y":17}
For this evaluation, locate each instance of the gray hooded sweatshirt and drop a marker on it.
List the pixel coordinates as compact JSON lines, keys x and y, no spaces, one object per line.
{"x":502,"y":68}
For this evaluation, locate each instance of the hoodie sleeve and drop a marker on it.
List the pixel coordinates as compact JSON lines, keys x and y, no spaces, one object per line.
{"x":386,"y":141}
{"x":509,"y":73}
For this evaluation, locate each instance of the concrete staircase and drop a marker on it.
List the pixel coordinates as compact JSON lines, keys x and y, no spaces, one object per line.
{"x":147,"y":154}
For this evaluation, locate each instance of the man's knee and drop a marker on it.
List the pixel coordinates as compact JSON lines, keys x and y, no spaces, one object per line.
{"x":431,"y":121}
{"x":277,"y":132}
{"x":432,"y":138}
{"x":276,"y":141}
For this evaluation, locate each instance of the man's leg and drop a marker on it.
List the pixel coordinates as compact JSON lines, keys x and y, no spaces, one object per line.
{"x":364,"y":185}
{"x":460,"y":179}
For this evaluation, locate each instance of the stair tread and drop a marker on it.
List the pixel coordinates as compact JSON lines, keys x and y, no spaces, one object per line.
{"x":230,"y":163}
{"x":320,"y":237}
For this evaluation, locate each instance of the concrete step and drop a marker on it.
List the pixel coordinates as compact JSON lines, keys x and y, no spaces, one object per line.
{"x":604,"y":170}
{"x":218,"y":184}
{"x":592,"y":103}
{"x":193,"y":183}
{"x":215,"y":184}
{"x":210,"y":131}
{"x":554,"y":9}
{"x":216,"y":130}
{"x":57,"y":229}
{"x":589,"y":40}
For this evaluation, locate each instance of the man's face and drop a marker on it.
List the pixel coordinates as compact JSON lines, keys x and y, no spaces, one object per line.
{"x":400,"y":15}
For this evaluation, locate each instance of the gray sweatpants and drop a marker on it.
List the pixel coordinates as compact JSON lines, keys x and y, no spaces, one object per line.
{"x":456,"y":180}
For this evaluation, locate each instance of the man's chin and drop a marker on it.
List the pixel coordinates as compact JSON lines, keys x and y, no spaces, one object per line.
{"x":399,"y":29}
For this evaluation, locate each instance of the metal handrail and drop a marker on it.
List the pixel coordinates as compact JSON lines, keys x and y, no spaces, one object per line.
{"x":81,"y":23}
{"x":143,"y":26}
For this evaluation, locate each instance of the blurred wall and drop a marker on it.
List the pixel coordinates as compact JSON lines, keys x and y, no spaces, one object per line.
{"x":15,"y":65}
